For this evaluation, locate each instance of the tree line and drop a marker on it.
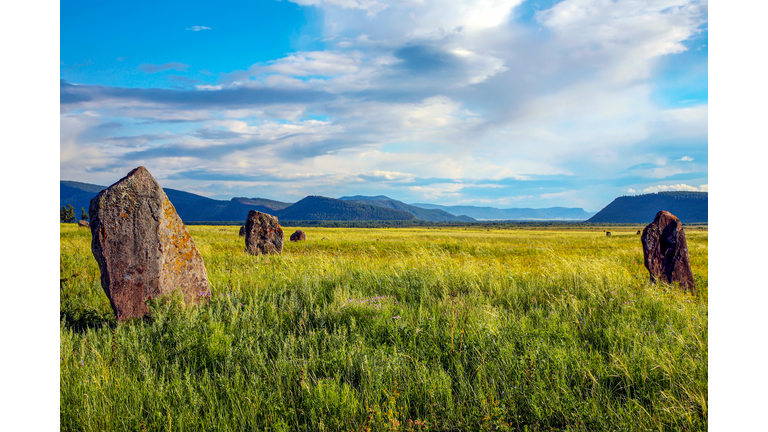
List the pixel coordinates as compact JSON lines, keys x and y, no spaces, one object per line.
{"x":67,"y":214}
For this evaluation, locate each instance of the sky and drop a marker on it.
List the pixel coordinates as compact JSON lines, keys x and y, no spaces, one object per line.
{"x":534,"y":103}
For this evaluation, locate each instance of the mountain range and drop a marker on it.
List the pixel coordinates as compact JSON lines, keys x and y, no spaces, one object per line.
{"x":690,"y":207}
{"x":519,"y":214}
{"x":192,"y":207}
{"x":432,"y":215}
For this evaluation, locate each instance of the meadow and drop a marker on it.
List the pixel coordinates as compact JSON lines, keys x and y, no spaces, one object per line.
{"x":390,"y":329}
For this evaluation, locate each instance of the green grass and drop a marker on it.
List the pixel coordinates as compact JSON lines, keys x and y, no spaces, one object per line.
{"x":395,"y":329}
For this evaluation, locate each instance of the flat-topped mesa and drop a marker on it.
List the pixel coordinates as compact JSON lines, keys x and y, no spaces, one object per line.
{"x":665,"y":251}
{"x":143,"y":248}
{"x":263,"y":234}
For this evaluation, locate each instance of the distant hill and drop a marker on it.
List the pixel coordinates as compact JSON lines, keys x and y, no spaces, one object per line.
{"x":432,"y":215}
{"x":238,"y":208}
{"x":322,"y":208}
{"x":689,"y":207}
{"x":78,"y":194}
{"x":519,"y":214}
{"x":192,"y":207}
{"x":196,"y":208}
{"x":189,"y":206}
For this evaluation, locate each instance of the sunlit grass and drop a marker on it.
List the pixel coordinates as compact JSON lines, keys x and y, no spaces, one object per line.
{"x":395,"y":329}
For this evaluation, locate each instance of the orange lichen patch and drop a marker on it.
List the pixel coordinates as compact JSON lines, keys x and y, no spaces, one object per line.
{"x":181,"y":252}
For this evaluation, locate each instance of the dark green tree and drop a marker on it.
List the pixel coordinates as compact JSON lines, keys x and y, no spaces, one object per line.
{"x":84,"y":215}
{"x":67,"y":213}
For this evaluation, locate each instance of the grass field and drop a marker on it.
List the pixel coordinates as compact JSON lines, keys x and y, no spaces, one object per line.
{"x":395,"y":329}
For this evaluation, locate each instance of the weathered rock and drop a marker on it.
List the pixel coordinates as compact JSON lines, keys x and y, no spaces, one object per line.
{"x":607,"y":233}
{"x":242,"y":231}
{"x":263,"y":234}
{"x":83,"y":224}
{"x":638,"y":232}
{"x":143,"y":248}
{"x":299,"y":235}
{"x":665,"y":251}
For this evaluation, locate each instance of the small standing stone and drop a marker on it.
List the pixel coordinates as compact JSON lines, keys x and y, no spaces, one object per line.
{"x":638,"y":232}
{"x":263,"y":234}
{"x":83,"y":224}
{"x":242,"y":231}
{"x":299,"y":235}
{"x":607,"y":233}
{"x":665,"y":251}
{"x":143,"y":248}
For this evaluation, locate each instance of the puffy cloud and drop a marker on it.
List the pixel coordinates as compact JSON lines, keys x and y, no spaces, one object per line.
{"x":676,"y":187}
{"x":395,"y":19}
{"x":624,"y":35}
{"x":685,"y":159}
{"x":315,"y":63}
{"x":198,"y":28}
{"x":386,"y":176}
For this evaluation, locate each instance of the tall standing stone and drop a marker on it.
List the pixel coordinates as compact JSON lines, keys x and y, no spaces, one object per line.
{"x":665,"y":251}
{"x":263,"y":234}
{"x":142,"y":246}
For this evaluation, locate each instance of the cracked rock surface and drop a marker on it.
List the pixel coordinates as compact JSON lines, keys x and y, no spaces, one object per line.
{"x":143,"y":248}
{"x":665,"y":251}
{"x":263,"y":234}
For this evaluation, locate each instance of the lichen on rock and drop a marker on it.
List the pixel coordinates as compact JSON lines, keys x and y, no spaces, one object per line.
{"x":143,"y":248}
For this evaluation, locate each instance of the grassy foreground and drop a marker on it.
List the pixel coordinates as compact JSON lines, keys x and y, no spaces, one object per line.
{"x":394,"y":329}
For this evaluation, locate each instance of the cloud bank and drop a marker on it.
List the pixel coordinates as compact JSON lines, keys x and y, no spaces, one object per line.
{"x":453,"y":102}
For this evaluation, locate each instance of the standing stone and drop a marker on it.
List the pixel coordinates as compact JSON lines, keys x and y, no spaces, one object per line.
{"x":142,"y":246}
{"x":83,"y":224}
{"x":638,"y":232}
{"x":242,"y":231}
{"x":263,"y":234}
{"x":607,"y":233}
{"x":665,"y":251}
{"x":299,"y":235}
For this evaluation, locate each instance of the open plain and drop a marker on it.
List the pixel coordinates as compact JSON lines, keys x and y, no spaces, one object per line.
{"x":441,"y":329}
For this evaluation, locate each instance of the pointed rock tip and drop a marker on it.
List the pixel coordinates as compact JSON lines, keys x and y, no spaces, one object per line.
{"x":139,"y":175}
{"x":665,"y":214}
{"x":139,"y":171}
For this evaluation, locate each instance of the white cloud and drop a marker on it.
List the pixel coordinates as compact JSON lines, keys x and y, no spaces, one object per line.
{"x":198,"y":28}
{"x":685,"y":159}
{"x":322,"y":63}
{"x":682,"y":123}
{"x":676,"y":187}
{"x":437,"y":191}
{"x":624,"y":35}
{"x":371,"y":7}
{"x":209,"y":87}
{"x":387,"y":176}
{"x":394,"y":19}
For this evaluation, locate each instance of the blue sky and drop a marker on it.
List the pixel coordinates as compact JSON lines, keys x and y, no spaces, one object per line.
{"x":494,"y":103}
